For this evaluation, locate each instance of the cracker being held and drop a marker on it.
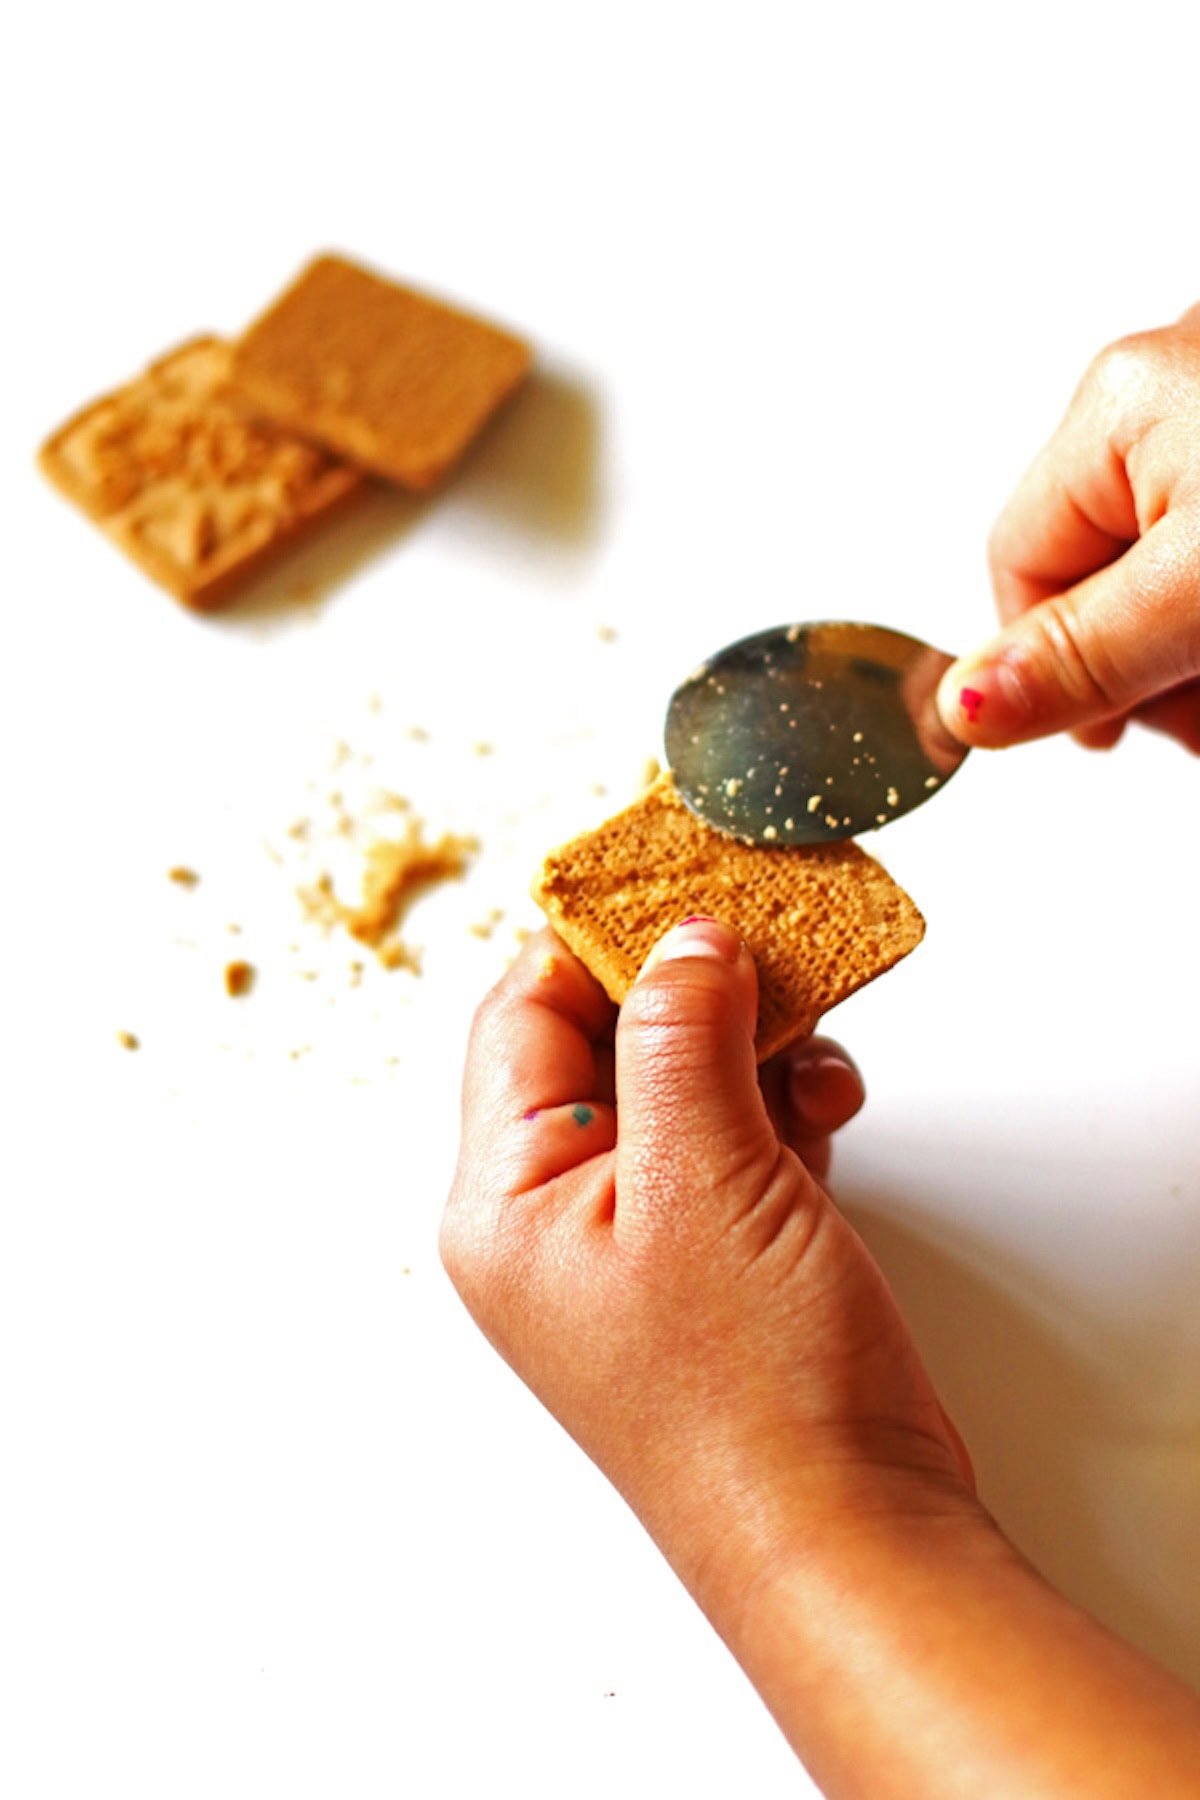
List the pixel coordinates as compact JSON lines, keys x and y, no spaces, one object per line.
{"x":388,"y":378}
{"x":199,"y":494}
{"x":820,"y":922}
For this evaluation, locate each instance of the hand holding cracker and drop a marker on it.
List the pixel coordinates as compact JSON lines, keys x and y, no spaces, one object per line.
{"x":644,"y":1242}
{"x":1096,"y":564}
{"x":629,"y":1228}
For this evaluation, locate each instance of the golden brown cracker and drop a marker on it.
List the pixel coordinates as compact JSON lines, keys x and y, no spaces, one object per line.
{"x":197,"y":492}
{"x":388,"y":378}
{"x":820,"y":922}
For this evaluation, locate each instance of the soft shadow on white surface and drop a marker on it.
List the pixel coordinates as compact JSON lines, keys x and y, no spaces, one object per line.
{"x":537,"y":467}
{"x":370,"y":524}
{"x":533,"y":475}
{"x":1081,"y":1410}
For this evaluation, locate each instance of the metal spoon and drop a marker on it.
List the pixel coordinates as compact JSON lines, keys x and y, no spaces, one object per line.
{"x":810,"y":733}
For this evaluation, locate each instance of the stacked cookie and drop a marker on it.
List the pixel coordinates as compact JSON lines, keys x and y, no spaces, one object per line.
{"x":208,"y":464}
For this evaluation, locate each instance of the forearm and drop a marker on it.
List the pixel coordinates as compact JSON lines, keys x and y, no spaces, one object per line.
{"x":923,"y":1655}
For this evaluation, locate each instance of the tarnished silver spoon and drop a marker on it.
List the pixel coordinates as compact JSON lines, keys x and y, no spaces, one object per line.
{"x":809,"y":733}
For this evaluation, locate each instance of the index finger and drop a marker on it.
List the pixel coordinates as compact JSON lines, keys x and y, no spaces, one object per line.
{"x":1071,"y":514}
{"x":533,"y":1044}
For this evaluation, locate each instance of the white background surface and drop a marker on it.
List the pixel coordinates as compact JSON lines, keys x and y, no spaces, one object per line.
{"x":809,"y":286}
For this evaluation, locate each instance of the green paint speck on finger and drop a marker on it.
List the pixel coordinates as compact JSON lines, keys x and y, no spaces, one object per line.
{"x":582,"y":1115}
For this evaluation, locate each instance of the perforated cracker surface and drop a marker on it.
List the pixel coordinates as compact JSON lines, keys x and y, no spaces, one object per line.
{"x":820,"y":922}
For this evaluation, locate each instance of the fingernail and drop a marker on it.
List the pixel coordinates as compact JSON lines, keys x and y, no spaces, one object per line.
{"x":825,"y":1091}
{"x":696,"y":936}
{"x":989,"y":698}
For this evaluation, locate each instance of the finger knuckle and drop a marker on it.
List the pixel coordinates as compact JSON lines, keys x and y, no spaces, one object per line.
{"x":454,"y":1246}
{"x":1124,"y":385}
{"x":485,"y":1017}
{"x":999,"y":543}
{"x":1060,"y":640}
{"x":675,"y":1017}
{"x":1123,"y":362}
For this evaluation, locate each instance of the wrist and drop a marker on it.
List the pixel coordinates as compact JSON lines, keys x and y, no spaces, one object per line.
{"x":737,"y":1533}
{"x":905,"y":1646}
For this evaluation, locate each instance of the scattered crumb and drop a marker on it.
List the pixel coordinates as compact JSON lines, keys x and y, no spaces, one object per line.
{"x":881,"y":818}
{"x":374,"y":703}
{"x":770,"y":833}
{"x":858,"y":737}
{"x":300,"y":830}
{"x":342,"y":753}
{"x":733,"y":786}
{"x":128,"y":1041}
{"x":485,"y":927}
{"x":398,"y":956}
{"x":182,"y":876}
{"x":356,"y":974}
{"x":931,"y":781}
{"x":236,"y":931}
{"x":304,"y":1050}
{"x":547,"y":967}
{"x":484,"y":749}
{"x":406,"y":1270}
{"x":831,"y":821}
{"x":607,"y":634}
{"x":522,"y":933}
{"x":239,"y":979}
{"x":396,"y":870}
{"x":599,"y":789}
{"x":418,"y":734}
{"x":814,"y":804}
{"x":385,"y":800}
{"x":893,"y":798}
{"x":651,"y":770}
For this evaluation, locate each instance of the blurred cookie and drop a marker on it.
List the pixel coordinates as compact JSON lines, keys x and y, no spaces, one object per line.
{"x":198,"y":493}
{"x":389,"y":379}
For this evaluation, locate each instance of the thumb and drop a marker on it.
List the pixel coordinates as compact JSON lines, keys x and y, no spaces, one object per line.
{"x":1126,"y":634}
{"x":690,"y":1110}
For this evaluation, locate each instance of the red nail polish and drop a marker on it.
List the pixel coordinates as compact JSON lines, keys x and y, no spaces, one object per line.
{"x":971,"y":702}
{"x":532,"y":1113}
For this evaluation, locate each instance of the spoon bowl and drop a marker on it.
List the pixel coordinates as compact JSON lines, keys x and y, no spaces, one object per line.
{"x":806,"y":734}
